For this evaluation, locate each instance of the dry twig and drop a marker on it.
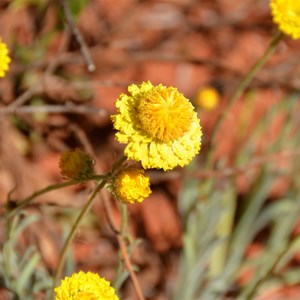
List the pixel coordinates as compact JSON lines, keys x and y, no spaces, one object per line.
{"x":68,"y":108}
{"x":83,"y":47}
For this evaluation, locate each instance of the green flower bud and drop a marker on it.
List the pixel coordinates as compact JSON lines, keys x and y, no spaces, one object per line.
{"x":76,"y":164}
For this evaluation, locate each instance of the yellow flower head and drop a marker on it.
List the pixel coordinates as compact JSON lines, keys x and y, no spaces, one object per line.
{"x":131,"y":185}
{"x":207,"y":98}
{"x":76,"y":164}
{"x":286,"y":14}
{"x":4,"y":59}
{"x":85,"y":286}
{"x":159,"y":125}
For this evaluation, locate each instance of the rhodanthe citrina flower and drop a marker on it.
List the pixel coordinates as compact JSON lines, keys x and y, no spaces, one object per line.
{"x":4,"y":59}
{"x":207,"y":98}
{"x":159,"y":126}
{"x":85,"y":286}
{"x":131,"y":185}
{"x":76,"y":164}
{"x":286,"y":14}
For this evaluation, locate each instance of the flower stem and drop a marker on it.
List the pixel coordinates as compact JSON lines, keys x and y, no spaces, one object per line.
{"x":119,"y":279}
{"x":119,"y":163}
{"x":124,"y":220}
{"x":121,"y":236}
{"x":102,"y":181}
{"x":12,"y":212}
{"x":240,"y":89}
{"x":82,"y":214}
{"x":45,"y":190}
{"x":129,"y":267}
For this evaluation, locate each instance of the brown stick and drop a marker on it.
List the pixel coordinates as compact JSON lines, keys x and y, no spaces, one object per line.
{"x":69,"y":107}
{"x":122,"y":246}
{"x":83,"y":47}
{"x":129,"y":267}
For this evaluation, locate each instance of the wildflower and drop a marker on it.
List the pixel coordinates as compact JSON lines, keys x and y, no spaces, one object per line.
{"x":76,"y":164}
{"x":159,"y":125}
{"x":207,"y":98}
{"x":85,"y":286}
{"x":131,"y":185}
{"x":4,"y":59}
{"x":286,"y":14}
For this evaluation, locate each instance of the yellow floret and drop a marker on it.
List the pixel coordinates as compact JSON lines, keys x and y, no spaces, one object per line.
{"x":159,"y":126}
{"x":85,"y":286}
{"x":207,"y":98}
{"x":286,"y":14}
{"x":4,"y":59}
{"x":131,"y":185}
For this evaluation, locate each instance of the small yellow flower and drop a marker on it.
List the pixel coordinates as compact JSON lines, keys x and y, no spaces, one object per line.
{"x":76,"y":164}
{"x":159,"y":125}
{"x":207,"y":98}
{"x":131,"y":185}
{"x":85,"y":286}
{"x":286,"y":14}
{"x":4,"y":59}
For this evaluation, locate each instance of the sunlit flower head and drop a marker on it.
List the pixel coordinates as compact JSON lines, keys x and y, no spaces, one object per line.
{"x":4,"y":59}
{"x":76,"y":164}
{"x":286,"y":14}
{"x":131,"y":185}
{"x":85,"y":286}
{"x":207,"y":98}
{"x":159,"y":126}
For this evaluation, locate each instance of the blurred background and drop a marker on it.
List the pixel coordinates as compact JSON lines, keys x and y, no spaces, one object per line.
{"x":207,"y":230}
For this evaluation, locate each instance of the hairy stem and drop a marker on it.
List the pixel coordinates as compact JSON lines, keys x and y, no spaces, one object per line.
{"x":240,"y":89}
{"x":70,"y":237}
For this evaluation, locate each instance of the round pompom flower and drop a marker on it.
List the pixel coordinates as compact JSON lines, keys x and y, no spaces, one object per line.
{"x":159,"y":126}
{"x":131,"y":185}
{"x":4,"y":59}
{"x":85,"y":286}
{"x":286,"y":14}
{"x":207,"y":98}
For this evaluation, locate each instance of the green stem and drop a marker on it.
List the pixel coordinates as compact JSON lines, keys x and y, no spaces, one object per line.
{"x":82,"y":214}
{"x":57,"y":186}
{"x":98,"y":177}
{"x":124,"y":220}
{"x":240,"y":89}
{"x":252,"y":293}
{"x":119,"y":279}
{"x":45,"y":190}
{"x":118,"y":164}
{"x":13,"y":212}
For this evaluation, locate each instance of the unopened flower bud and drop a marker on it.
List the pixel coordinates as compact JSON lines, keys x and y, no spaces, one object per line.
{"x":76,"y":164}
{"x":131,"y":185}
